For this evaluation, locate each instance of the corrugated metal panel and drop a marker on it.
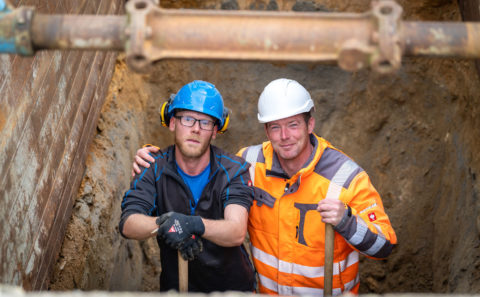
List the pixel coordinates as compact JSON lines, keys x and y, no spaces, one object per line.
{"x":49,"y":106}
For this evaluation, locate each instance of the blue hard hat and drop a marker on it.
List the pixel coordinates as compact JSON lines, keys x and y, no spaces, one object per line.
{"x":200,"y":96}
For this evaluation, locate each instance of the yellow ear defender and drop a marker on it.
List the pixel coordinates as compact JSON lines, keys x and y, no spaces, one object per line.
{"x":164,"y":118}
{"x":226,"y":116}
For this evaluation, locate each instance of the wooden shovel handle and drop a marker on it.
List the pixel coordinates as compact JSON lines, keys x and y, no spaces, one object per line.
{"x":328,"y":271}
{"x":182,"y":274}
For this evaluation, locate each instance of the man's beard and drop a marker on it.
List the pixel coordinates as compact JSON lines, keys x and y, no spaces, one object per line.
{"x":192,"y":152}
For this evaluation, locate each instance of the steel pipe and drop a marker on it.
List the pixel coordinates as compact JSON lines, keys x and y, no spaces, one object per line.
{"x":441,"y":39}
{"x":239,"y":35}
{"x":377,"y":39}
{"x":83,"y":32}
{"x":252,"y":35}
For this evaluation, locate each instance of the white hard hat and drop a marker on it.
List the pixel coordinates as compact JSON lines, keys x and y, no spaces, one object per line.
{"x":283,"y":98}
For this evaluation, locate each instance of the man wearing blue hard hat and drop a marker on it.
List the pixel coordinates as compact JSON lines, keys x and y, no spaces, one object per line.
{"x":196,"y":195}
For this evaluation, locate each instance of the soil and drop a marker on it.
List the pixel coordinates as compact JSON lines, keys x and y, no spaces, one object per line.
{"x":416,"y":132}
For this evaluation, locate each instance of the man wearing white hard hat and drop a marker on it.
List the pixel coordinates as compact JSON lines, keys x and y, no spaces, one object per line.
{"x":304,"y":182}
{"x":301,"y":183}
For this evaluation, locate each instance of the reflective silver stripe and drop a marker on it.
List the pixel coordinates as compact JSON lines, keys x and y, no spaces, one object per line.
{"x":369,"y":207}
{"x":333,"y":191}
{"x":351,"y":284}
{"x":313,"y":291}
{"x":268,"y":283}
{"x":286,"y":267}
{"x":336,"y":292}
{"x":359,"y":235}
{"x":379,"y":230}
{"x":290,"y":290}
{"x":298,"y":269}
{"x":251,"y":157}
{"x":379,"y":243}
{"x":265,"y":258}
{"x":352,"y":258}
{"x":285,"y":290}
{"x":308,"y":271}
{"x":308,"y":291}
{"x":347,"y":168}
{"x":339,"y":179}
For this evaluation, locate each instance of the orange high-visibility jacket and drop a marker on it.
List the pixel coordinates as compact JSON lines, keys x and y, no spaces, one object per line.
{"x":286,"y":231}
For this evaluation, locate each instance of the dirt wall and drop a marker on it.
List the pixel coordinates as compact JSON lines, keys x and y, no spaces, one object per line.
{"x":415,"y":132}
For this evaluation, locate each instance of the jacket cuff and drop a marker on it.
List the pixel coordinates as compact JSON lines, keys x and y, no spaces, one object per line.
{"x":199,"y":225}
{"x":347,"y":217}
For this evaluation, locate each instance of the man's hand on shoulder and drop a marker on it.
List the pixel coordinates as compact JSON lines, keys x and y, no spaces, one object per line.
{"x":142,"y":158}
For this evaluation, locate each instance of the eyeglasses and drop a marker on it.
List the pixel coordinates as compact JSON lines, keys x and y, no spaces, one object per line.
{"x":189,"y":121}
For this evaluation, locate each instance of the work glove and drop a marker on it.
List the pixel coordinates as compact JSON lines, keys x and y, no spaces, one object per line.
{"x":176,"y":228}
{"x":190,"y":248}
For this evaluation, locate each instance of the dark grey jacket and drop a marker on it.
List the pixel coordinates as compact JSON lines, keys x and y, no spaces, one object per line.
{"x":160,"y":189}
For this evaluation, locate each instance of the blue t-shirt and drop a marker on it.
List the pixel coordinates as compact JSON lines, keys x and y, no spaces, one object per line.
{"x":196,"y":183}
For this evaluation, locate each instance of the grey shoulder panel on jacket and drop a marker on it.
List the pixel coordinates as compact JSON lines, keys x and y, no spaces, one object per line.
{"x":254,"y":153}
{"x":337,"y":167}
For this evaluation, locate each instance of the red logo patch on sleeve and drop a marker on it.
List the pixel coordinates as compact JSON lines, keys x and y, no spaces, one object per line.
{"x":250,"y":183}
{"x":372,"y":217}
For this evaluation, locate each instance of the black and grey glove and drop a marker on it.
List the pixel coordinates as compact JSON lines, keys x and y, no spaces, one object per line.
{"x":190,"y":248}
{"x":176,"y":228}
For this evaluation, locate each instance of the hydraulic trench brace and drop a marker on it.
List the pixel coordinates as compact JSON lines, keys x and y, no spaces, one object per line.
{"x":182,"y":271}
{"x":148,"y":33}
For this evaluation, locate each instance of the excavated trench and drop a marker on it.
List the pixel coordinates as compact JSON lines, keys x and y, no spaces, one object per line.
{"x":417,"y":134}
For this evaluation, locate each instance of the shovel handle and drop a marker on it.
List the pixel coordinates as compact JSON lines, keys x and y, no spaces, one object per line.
{"x":329,"y":246}
{"x":182,"y":274}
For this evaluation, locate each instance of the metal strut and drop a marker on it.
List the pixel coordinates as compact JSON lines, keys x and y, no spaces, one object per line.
{"x":147,"y":33}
